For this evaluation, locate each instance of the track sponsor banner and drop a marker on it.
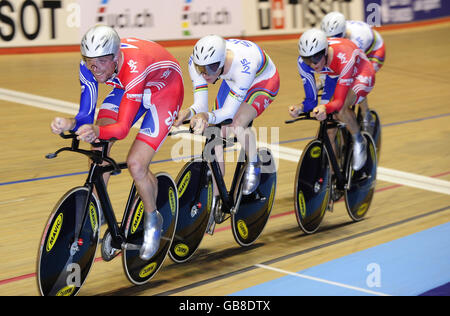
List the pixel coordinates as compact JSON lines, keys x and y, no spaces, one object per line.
{"x":381,"y":12}
{"x":38,"y":22}
{"x":164,"y":20}
{"x":269,"y":17}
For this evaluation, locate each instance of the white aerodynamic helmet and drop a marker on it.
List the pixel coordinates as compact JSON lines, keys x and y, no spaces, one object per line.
{"x":209,"y":54}
{"x":333,"y":24}
{"x":312,"y":42}
{"x":100,"y":40}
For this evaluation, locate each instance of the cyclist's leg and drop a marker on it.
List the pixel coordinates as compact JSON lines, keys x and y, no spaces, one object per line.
{"x":244,"y":134}
{"x":139,"y":158}
{"x":347,"y":115}
{"x":364,"y":105}
{"x":259,"y":97}
{"x":162,"y":106}
{"x":363,"y":83}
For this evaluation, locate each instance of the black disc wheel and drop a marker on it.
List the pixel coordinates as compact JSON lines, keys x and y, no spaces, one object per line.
{"x":68,"y":244}
{"x":253,"y":210}
{"x":195,"y":193}
{"x":312,"y":186}
{"x":361,"y":186}
{"x":140,"y":271}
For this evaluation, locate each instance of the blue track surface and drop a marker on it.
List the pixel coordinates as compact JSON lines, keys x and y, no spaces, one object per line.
{"x":411,"y":265}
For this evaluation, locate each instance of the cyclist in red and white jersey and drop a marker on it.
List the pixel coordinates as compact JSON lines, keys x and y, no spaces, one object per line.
{"x":366,"y":38}
{"x":147,"y":80}
{"x":342,"y":59}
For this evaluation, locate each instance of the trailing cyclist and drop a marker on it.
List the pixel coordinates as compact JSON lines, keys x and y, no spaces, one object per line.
{"x":365,"y":37}
{"x":250,"y":83}
{"x":146,"y":80}
{"x":342,"y":62}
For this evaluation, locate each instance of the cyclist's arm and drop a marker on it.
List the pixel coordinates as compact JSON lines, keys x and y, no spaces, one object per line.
{"x":340,"y":94}
{"x":328,"y":89}
{"x":309,"y":85}
{"x":236,"y":95}
{"x":88,"y":98}
{"x":200,"y":87}
{"x":229,"y":109}
{"x":127,"y":112}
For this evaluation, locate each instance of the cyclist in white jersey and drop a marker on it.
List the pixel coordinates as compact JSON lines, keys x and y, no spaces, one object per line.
{"x":250,"y":83}
{"x":360,"y":33}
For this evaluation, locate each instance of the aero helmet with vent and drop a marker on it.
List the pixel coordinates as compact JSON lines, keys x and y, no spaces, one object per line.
{"x":313,"y":45}
{"x":100,"y":40}
{"x":333,"y":24}
{"x":209,"y":54}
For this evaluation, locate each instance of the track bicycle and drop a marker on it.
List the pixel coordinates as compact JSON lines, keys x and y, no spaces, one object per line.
{"x":71,"y":235}
{"x":324,"y":176}
{"x":249,"y":213}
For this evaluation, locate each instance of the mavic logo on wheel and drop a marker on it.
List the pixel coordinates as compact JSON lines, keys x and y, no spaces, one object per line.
{"x":66,"y":291}
{"x":315,"y":152}
{"x":242,"y":229}
{"x":301,"y":204}
{"x":54,"y":232}
{"x":362,"y":209}
{"x":184,"y":184}
{"x":137,"y":217}
{"x":272,"y":195}
{"x":147,"y":270}
{"x":172,"y":201}
{"x":93,"y":216}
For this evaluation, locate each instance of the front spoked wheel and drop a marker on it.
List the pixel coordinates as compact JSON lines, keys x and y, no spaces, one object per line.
{"x":64,"y":260}
{"x":140,"y":271}
{"x":195,"y":198}
{"x":253,"y":210}
{"x":312,"y":186}
{"x":361,"y":186}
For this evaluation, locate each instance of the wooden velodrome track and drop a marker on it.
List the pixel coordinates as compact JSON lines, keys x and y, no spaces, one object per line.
{"x":411,"y":95}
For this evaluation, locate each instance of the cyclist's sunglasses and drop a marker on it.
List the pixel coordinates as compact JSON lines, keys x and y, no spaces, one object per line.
{"x":314,"y":59}
{"x":207,"y":69}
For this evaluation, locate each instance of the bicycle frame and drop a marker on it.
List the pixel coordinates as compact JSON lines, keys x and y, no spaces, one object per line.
{"x":323,"y":135}
{"x":95,"y":180}
{"x":227,"y":197}
{"x":212,"y":140}
{"x":325,"y":125}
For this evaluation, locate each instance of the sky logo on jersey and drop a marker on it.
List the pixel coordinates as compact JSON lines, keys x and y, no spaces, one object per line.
{"x":133,"y":66}
{"x":172,"y":117}
{"x":342,"y":57}
{"x":246,"y":66}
